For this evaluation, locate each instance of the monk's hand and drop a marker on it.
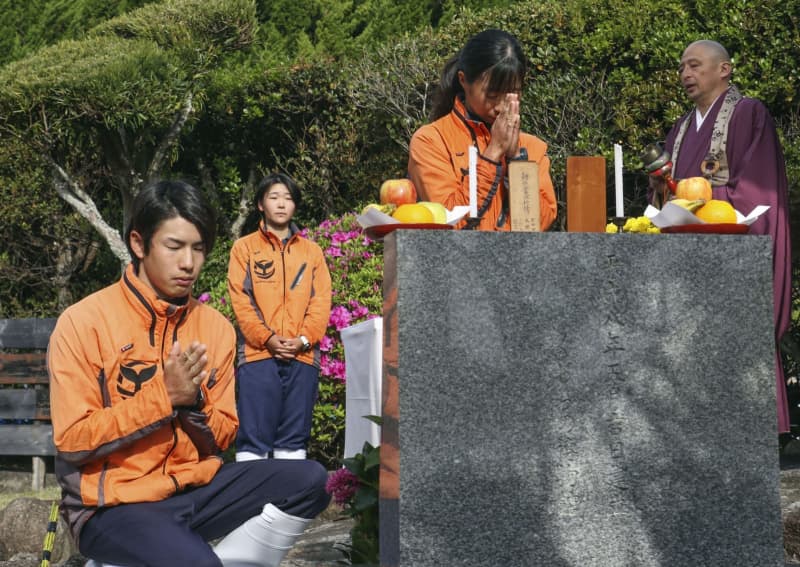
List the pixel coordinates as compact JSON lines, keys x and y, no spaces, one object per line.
{"x":657,"y":190}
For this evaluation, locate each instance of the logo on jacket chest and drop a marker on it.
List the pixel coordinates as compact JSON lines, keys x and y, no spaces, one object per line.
{"x":264,"y":269}
{"x":132,"y":376}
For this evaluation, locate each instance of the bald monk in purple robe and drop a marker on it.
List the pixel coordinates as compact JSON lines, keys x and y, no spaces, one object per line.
{"x":732,"y":140}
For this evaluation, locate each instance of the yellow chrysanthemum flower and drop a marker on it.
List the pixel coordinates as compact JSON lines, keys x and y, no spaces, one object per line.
{"x":639,"y":224}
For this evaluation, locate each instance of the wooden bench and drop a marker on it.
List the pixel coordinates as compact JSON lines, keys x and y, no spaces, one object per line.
{"x":25,"y":428}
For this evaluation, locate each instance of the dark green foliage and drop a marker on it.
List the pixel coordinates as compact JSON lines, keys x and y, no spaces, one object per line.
{"x":363,"y":506}
{"x":97,"y":81}
{"x":215,"y":268}
{"x":204,"y":28}
{"x":27,"y":26}
{"x":50,"y":256}
{"x":17,"y":37}
{"x":133,"y":69}
{"x":337,"y":28}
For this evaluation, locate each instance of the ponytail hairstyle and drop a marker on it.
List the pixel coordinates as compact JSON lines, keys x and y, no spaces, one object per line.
{"x":495,"y":54}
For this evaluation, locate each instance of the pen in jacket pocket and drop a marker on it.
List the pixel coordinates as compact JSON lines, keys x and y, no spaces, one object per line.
{"x":299,"y":277}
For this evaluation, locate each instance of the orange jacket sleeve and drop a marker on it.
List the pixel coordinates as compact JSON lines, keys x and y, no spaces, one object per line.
{"x":435,"y":174}
{"x":213,"y":428}
{"x":318,"y":312}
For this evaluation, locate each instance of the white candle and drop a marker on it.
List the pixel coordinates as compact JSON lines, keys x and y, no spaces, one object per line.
{"x":618,"y":180}
{"x":473,"y":181}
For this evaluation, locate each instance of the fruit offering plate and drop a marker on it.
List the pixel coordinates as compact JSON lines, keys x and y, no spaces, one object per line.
{"x":672,"y":217}
{"x":378,"y":231}
{"x":708,"y":228}
{"x":371,"y":218}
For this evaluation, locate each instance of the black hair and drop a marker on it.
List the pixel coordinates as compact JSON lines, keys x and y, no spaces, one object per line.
{"x":495,"y":52}
{"x":274,"y":179}
{"x":255,"y":216}
{"x":164,"y":200}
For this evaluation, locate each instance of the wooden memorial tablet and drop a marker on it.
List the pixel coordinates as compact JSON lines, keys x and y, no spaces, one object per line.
{"x":523,"y":191}
{"x":586,"y":194}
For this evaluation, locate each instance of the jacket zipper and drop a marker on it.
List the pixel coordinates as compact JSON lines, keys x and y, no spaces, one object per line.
{"x":172,"y":423}
{"x":283,"y":270}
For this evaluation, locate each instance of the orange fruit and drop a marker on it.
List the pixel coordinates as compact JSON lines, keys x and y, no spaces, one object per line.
{"x":693,"y":188}
{"x":716,"y":211}
{"x":413,"y":213}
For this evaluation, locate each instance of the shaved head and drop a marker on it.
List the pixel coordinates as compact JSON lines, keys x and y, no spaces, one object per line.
{"x":705,"y":72}
{"x":715,"y":50}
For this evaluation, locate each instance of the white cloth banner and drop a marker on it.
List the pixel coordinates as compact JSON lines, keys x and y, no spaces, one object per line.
{"x":363,"y":361}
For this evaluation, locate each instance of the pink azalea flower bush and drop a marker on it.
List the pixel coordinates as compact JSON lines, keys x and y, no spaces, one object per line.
{"x":356,"y":266}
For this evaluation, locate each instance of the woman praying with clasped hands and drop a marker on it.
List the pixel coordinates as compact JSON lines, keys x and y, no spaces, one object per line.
{"x":477,"y":104}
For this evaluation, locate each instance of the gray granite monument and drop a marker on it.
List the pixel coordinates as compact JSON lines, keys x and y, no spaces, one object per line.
{"x":592,"y":400}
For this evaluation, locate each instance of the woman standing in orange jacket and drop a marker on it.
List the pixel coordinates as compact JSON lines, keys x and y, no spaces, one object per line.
{"x":478,"y":104}
{"x":280,"y":290}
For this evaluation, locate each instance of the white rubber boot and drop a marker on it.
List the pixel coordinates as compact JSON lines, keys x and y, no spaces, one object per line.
{"x":262,"y":541}
{"x":93,"y":563}
{"x":296,"y":454}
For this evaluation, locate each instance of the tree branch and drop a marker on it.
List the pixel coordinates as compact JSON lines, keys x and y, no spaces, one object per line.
{"x":245,"y":200}
{"x":79,"y":200}
{"x":157,"y":163}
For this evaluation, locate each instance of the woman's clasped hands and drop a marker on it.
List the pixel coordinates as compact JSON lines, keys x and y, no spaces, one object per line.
{"x":505,"y":130}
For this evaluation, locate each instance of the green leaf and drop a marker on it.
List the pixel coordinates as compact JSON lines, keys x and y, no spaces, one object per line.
{"x":373,"y":458}
{"x":365,"y":498}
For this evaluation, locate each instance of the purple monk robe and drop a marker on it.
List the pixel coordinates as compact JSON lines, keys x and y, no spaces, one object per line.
{"x":757,"y":177}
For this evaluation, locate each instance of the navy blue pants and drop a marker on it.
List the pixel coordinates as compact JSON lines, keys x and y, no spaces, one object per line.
{"x":275,"y":402}
{"x":175,"y":531}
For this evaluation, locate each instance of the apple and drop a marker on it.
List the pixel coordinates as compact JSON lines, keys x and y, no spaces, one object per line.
{"x":693,"y":188}
{"x":398,"y":192}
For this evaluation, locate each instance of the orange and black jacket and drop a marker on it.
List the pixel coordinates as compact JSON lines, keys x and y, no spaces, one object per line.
{"x":438,"y":165}
{"x":118,"y":438}
{"x":278,"y":288}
